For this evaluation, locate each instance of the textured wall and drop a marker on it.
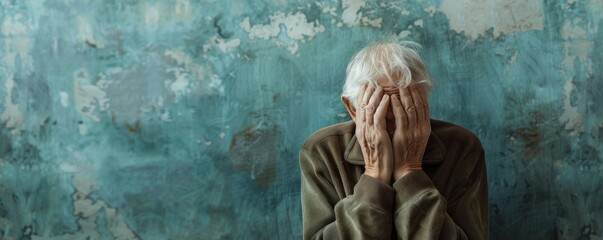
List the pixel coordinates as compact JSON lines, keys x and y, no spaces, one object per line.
{"x":182,"y":119}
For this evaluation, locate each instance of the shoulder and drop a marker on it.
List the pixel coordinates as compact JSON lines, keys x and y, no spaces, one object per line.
{"x":326,"y":146}
{"x":452,"y":135}
{"x":336,"y":134}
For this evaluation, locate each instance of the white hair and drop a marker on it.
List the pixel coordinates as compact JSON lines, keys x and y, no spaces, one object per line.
{"x":399,"y":62}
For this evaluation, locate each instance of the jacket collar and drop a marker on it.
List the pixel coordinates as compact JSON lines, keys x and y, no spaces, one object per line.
{"x":434,"y":152}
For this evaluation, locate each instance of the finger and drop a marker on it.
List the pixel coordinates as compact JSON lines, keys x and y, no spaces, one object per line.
{"x":381,"y":111}
{"x":373,"y":104}
{"x":368,"y":92}
{"x":425,"y":103}
{"x":359,"y":106}
{"x":415,"y":92}
{"x":360,"y":95}
{"x":409,"y":108}
{"x":399,"y":113}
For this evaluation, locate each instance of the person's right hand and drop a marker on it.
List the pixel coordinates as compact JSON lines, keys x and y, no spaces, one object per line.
{"x":412,"y":129}
{"x":371,"y":133}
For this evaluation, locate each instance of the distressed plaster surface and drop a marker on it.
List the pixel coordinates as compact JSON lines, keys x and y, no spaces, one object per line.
{"x":183,"y":119}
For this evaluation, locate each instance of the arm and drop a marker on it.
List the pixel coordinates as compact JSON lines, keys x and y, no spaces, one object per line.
{"x":366,"y":214}
{"x":421,"y":212}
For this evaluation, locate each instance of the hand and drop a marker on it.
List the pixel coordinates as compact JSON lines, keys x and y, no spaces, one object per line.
{"x":412,"y":129}
{"x":371,"y":133}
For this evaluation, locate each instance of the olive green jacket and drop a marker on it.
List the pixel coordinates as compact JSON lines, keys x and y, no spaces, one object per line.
{"x":447,"y":200}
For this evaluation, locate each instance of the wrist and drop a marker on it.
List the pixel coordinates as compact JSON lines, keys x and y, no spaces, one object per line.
{"x":384,"y":177}
{"x":405,"y":171}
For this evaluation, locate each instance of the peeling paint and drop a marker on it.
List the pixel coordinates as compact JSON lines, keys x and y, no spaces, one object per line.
{"x":176,"y":119}
{"x":371,"y":22}
{"x":88,"y":210}
{"x":200,"y":72}
{"x":224,"y":45}
{"x":87,"y":34}
{"x":180,"y":85}
{"x":295,"y":29}
{"x":404,"y":34}
{"x":13,"y":26}
{"x":326,"y":8}
{"x":576,"y":46}
{"x":351,"y":8}
{"x":474,"y":18}
{"x":260,"y":31}
{"x":165,"y":116}
{"x":64,"y":99}
{"x":431,"y":10}
{"x":511,"y":62}
{"x":16,"y":49}
{"x":352,"y":14}
{"x":88,"y":97}
{"x":12,"y":115}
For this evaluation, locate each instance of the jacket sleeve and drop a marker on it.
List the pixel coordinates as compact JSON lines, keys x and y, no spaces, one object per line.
{"x":423,"y":213}
{"x":365,"y":214}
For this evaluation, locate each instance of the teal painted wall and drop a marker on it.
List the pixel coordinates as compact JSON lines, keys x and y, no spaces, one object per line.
{"x":182,"y":119}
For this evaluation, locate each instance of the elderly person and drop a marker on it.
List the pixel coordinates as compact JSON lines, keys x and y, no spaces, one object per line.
{"x":392,"y":172}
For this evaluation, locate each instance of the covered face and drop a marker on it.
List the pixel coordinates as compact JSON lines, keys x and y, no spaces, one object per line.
{"x":385,"y":64}
{"x":391,"y":65}
{"x":387,"y":88}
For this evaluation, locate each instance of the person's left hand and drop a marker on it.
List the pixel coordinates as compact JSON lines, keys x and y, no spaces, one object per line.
{"x":372,"y":135}
{"x":412,"y":129}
